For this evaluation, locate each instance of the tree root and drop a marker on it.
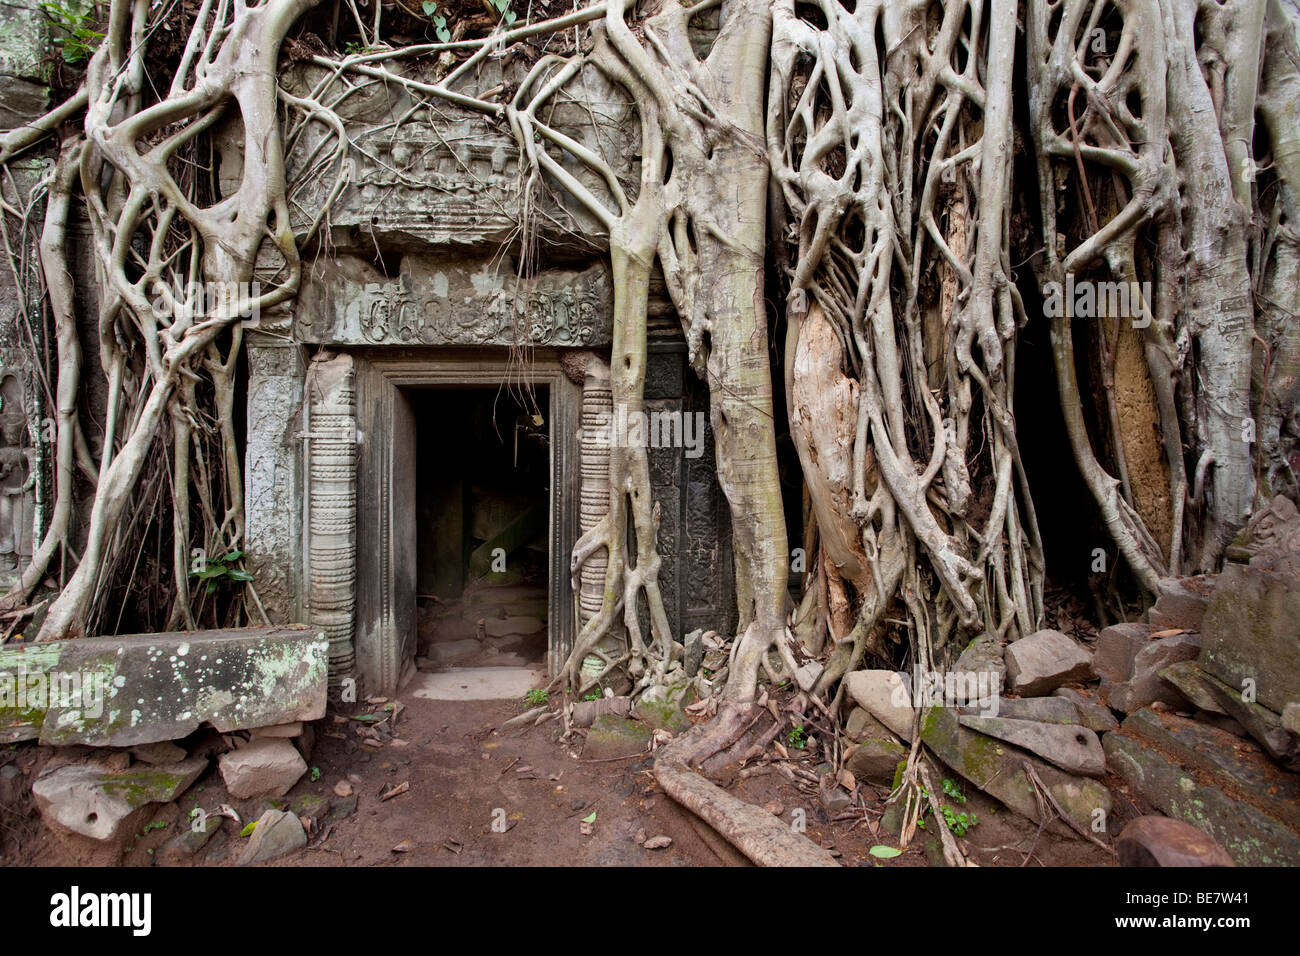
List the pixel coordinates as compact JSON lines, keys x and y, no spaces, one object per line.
{"x":753,"y":831}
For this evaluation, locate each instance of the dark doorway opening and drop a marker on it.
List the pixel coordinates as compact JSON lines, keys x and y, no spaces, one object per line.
{"x":482,"y":513}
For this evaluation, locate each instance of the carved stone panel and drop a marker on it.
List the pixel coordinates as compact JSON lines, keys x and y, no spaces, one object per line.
{"x":437,"y":302}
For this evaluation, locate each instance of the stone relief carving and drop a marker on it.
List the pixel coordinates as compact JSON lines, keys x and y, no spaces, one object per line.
{"x":350,"y":304}
{"x":19,"y":461}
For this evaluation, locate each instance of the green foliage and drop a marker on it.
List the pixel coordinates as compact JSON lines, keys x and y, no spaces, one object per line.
{"x":592,"y":697}
{"x":315,"y":774}
{"x":219,"y":569}
{"x":80,"y":39}
{"x":430,"y":9}
{"x":796,"y":738}
{"x":880,"y":851}
{"x":507,"y":15}
{"x":536,"y":697}
{"x":958,"y":823}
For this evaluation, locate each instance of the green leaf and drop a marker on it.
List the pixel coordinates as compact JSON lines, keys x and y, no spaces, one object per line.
{"x":509,"y":17}
{"x":428,"y":7}
{"x":884,"y":852}
{"x":248,"y":828}
{"x":237,"y":575}
{"x":590,"y":819}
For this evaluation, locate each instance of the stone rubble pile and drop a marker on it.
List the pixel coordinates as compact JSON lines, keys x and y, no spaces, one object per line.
{"x":1196,"y":709}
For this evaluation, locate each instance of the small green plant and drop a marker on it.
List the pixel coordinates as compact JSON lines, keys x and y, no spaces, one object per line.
{"x":796,"y":738}
{"x":592,"y":697}
{"x":80,"y":40}
{"x":439,"y":22}
{"x":315,"y":774}
{"x":507,"y":15}
{"x":958,"y":823}
{"x":536,"y":697}
{"x":218,"y":569}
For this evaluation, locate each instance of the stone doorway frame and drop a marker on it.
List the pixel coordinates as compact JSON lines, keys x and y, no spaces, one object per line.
{"x":385,"y":630}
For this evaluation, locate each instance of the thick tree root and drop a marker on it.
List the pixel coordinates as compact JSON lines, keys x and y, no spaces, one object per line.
{"x":753,"y":831}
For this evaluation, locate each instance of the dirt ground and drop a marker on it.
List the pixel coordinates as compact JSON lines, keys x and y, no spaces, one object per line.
{"x":461,"y":777}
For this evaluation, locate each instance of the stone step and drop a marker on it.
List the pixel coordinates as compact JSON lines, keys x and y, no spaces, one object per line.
{"x":1213,"y":780}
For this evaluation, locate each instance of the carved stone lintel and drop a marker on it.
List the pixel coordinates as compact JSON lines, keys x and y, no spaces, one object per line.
{"x":439,"y":303}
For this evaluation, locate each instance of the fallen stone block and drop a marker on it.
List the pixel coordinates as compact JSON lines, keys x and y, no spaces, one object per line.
{"x":1186,"y":678}
{"x":1159,"y":841}
{"x":998,"y":768}
{"x":105,"y":805}
{"x":875,"y":760}
{"x":1291,"y":718}
{"x":1043,"y":661}
{"x":1146,"y":686}
{"x":861,"y":726}
{"x":1250,"y":631}
{"x":1218,"y":783}
{"x":1072,"y":748}
{"x":265,"y":766}
{"x":1181,"y":602}
{"x":612,"y":737}
{"x":983,"y":656}
{"x":193,"y":837}
{"x":1116,"y":648}
{"x":276,"y":834}
{"x":1047,"y":710}
{"x":664,"y":707}
{"x":884,"y":695}
{"x":146,"y":688}
{"x":293,"y":729}
{"x":1093,"y":714}
{"x":1260,"y":722}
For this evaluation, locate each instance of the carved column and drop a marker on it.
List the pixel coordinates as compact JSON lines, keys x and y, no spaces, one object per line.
{"x":597,"y":415}
{"x":332,"y":507}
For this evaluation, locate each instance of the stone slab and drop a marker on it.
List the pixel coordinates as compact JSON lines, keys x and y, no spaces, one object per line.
{"x":1250,"y":631}
{"x":998,"y":768}
{"x":1210,"y":779}
{"x":145,"y":688}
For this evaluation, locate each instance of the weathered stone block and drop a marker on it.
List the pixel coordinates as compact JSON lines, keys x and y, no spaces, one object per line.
{"x":1208,"y":778}
{"x":1074,"y":749}
{"x":276,"y":834}
{"x":104,"y":805}
{"x":144,"y":688}
{"x":1250,"y":632}
{"x":1160,"y":841}
{"x":884,"y":695}
{"x":1180,"y":602}
{"x":1043,"y":661}
{"x":265,"y":766}
{"x":612,"y":736}
{"x":875,"y":760}
{"x":1146,"y":686}
{"x":998,"y":769}
{"x":1116,"y":648}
